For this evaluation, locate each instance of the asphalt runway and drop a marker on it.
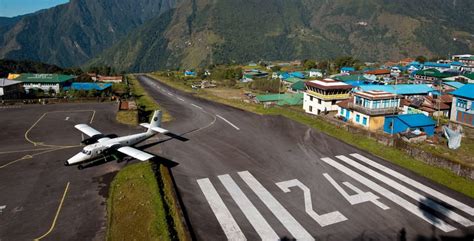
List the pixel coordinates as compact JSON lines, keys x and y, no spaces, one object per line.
{"x":35,"y":140}
{"x":242,"y":176}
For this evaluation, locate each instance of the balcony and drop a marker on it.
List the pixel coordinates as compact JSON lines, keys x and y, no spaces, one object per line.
{"x":328,"y":97}
{"x":373,"y":111}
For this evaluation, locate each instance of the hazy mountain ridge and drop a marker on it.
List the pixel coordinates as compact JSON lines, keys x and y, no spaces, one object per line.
{"x":71,"y":34}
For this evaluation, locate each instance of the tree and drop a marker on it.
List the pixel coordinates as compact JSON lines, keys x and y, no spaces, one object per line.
{"x":345,"y":61}
{"x":421,"y":59}
{"x":309,"y":64}
{"x":276,"y":68}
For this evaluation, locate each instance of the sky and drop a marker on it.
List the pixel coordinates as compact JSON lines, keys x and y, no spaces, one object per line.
{"x":11,"y":8}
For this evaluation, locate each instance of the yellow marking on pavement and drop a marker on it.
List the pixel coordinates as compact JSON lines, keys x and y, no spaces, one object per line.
{"x":42,"y":116}
{"x":57,"y":214}
{"x":17,"y":151}
{"x":31,"y":156}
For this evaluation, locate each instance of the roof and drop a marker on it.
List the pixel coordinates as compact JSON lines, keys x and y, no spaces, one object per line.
{"x":469,"y":76}
{"x":44,"y":78}
{"x":7,"y":82}
{"x":376,"y":95}
{"x":436,"y":65}
{"x":293,"y":80}
{"x":378,"y":72}
{"x":415,"y":120}
{"x":432,"y":73}
{"x":467,"y":91}
{"x":282,"y":99}
{"x":89,"y":86}
{"x":350,"y":78}
{"x":454,"y":84}
{"x":298,"y":85}
{"x":401,"y":89}
{"x":328,"y":84}
{"x":348,"y":69}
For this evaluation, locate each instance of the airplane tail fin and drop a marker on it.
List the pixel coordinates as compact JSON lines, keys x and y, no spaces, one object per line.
{"x":155,"y":123}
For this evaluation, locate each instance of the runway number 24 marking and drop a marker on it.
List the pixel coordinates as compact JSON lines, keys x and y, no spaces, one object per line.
{"x":336,"y":216}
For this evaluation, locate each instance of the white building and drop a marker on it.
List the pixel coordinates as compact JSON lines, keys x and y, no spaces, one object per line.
{"x":45,"y":82}
{"x":323,"y":95}
{"x":315,"y":73}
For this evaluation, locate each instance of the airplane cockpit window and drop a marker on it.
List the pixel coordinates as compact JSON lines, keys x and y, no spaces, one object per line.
{"x":84,"y":151}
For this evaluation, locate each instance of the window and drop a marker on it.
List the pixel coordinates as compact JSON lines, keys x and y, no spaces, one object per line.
{"x":364,"y":121}
{"x":357,"y":118}
{"x":461,"y":103}
{"x":319,"y":101}
{"x":310,"y":98}
{"x":342,"y":111}
{"x":333,"y":102}
{"x":310,"y":109}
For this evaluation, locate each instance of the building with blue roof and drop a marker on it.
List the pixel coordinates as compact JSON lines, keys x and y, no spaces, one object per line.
{"x":89,"y":86}
{"x":462,"y":109}
{"x":401,"y":89}
{"x":453,"y":84}
{"x":297,"y":74}
{"x":400,"y":123}
{"x":438,"y":66}
{"x":346,"y":69}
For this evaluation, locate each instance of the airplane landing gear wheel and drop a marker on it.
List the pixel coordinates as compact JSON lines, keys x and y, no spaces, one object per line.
{"x":80,"y":167}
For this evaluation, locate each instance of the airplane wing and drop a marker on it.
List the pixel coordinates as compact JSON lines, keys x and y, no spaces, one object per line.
{"x":135,"y":153}
{"x":91,"y":132}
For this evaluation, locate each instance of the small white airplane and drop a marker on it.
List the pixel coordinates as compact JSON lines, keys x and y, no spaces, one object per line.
{"x":99,"y":145}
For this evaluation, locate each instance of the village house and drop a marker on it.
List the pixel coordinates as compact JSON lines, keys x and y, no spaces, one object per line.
{"x":322,"y":96}
{"x":466,"y":78}
{"x":462,"y":109}
{"x":394,"y":124}
{"x":315,"y":73}
{"x":438,"y":66}
{"x":378,"y":74}
{"x":429,"y":75}
{"x":369,"y":108}
{"x":347,"y":70}
{"x":110,"y":79}
{"x":427,"y":105}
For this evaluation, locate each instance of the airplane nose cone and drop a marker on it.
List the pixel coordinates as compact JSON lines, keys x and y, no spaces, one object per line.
{"x":79,"y":157}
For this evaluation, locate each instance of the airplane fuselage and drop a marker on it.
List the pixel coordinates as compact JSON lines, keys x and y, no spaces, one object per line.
{"x":93,"y":151}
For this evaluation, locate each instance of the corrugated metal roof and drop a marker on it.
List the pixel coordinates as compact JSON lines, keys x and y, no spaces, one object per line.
{"x":454,"y":84}
{"x":282,"y":99}
{"x":44,"y":78}
{"x":401,"y":89}
{"x":7,"y":82}
{"x":89,"y":86}
{"x":467,"y":91}
{"x":415,"y":120}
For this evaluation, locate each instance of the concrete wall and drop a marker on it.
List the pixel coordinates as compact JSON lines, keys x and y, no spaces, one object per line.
{"x":325,"y":105}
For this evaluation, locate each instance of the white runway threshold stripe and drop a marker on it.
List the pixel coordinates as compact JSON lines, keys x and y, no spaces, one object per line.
{"x":410,"y":207}
{"x":410,"y":193}
{"x":228,"y":122}
{"x":442,"y":197}
{"x":223,"y":215}
{"x":288,"y":221}
{"x":262,"y":227}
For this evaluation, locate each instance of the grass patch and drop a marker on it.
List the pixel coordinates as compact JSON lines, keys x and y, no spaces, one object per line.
{"x":145,"y":103}
{"x":135,"y":208}
{"x":128,"y":117}
{"x":396,"y":156}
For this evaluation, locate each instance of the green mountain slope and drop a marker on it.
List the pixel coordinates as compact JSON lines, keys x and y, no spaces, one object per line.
{"x":72,"y":33}
{"x":199,"y":32}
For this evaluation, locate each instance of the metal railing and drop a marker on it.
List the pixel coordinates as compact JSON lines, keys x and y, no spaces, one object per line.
{"x":374,"y":111}
{"x":328,"y":97}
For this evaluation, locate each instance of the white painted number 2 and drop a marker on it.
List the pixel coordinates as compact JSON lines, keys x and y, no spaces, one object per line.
{"x":323,"y":220}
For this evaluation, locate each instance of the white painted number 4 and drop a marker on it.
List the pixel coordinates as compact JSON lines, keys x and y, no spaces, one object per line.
{"x":357,"y":198}
{"x":323,"y":220}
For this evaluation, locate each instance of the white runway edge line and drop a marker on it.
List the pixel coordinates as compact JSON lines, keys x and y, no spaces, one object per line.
{"x":276,"y":208}
{"x":450,"y":201}
{"x":410,"y":207}
{"x":180,"y":99}
{"x":262,"y":227}
{"x":197,"y":106}
{"x":416,"y":196}
{"x":228,"y":122}
{"x":223,"y":215}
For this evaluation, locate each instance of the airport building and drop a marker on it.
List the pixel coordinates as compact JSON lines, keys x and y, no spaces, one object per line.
{"x":45,"y":82}
{"x":323,"y":95}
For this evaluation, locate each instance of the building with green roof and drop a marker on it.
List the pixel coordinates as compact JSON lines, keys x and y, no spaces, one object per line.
{"x":298,"y":87}
{"x":45,"y":82}
{"x":281,"y":99}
